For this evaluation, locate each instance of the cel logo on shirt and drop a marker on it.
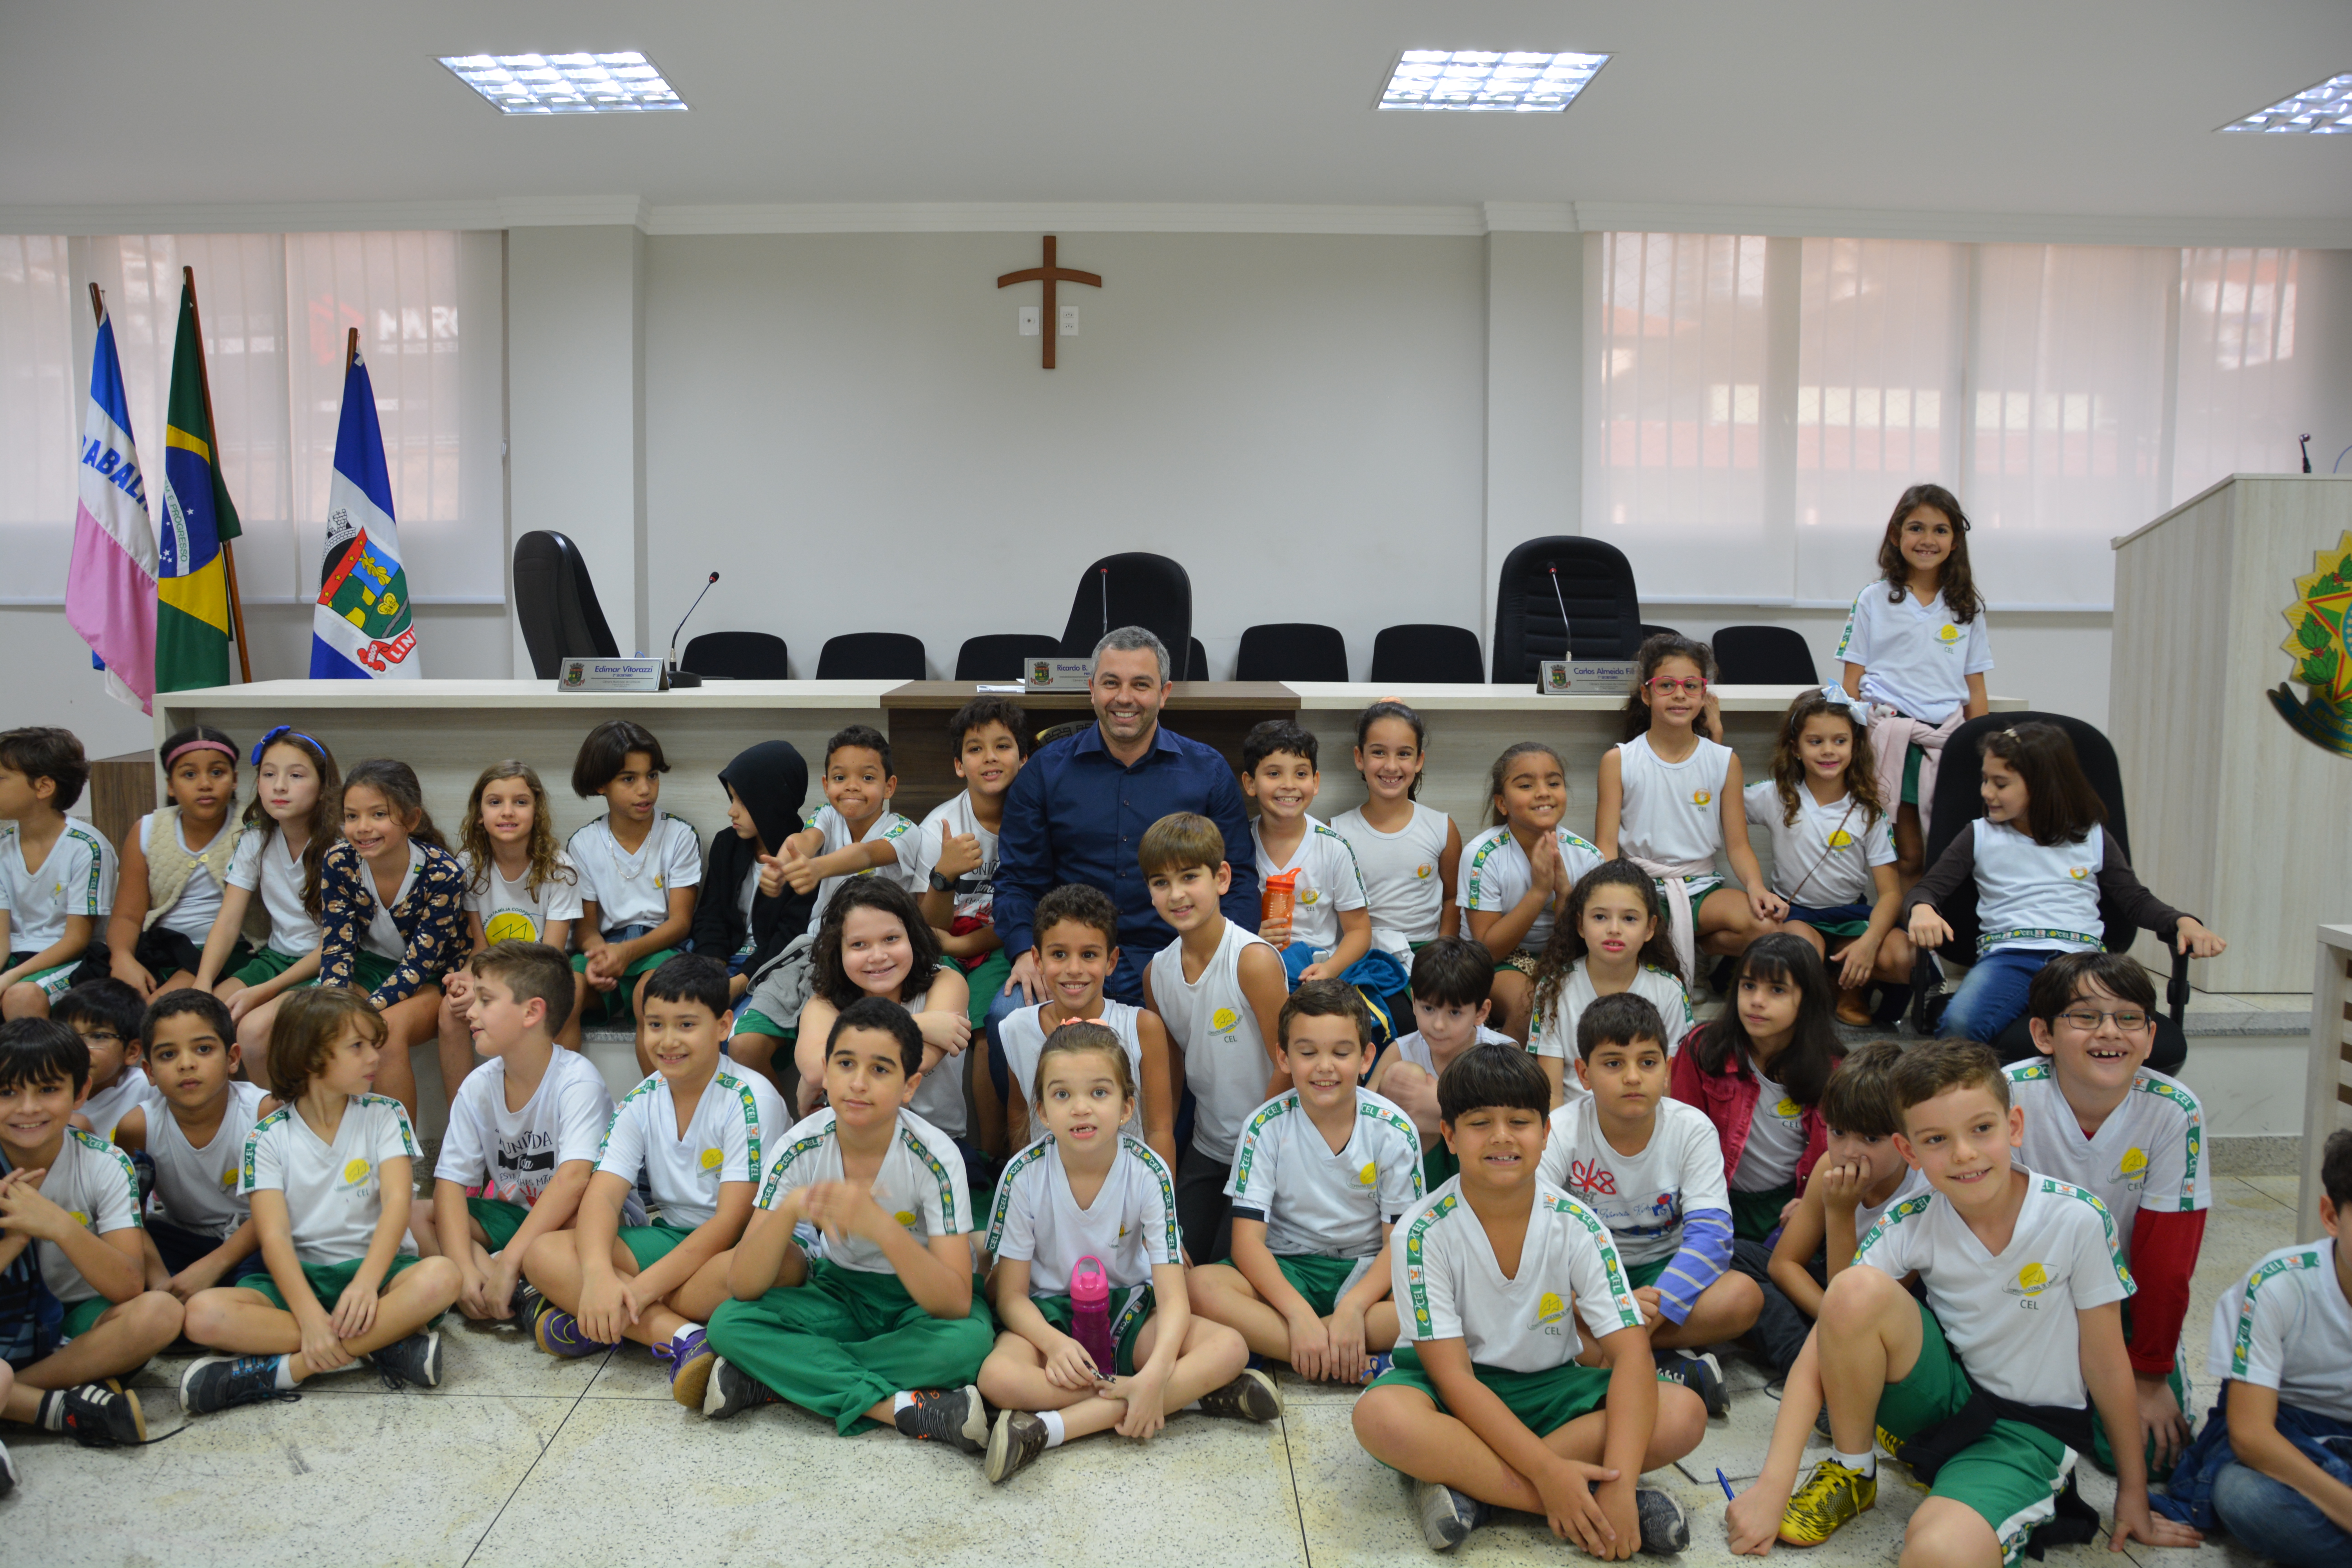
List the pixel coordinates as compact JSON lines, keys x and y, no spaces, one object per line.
{"x":1422,"y":872}
{"x":710,"y":1158}
{"x":2031,"y":1280}
{"x":1550,"y":1310}
{"x":1368,"y":1175}
{"x":1948,"y":635}
{"x":2078,"y":872}
{"x":904,"y":1219}
{"x":1223,"y":1018}
{"x":511,"y":925}
{"x":355,"y":1172}
{"x":1789,"y":1109}
{"x":1841,"y":840}
{"x":2132,"y":1168}
{"x":1700,"y":796}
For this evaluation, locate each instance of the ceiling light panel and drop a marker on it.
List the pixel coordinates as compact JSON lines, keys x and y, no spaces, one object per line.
{"x":2322,"y":111}
{"x":623,"y":83}
{"x":1487,"y":81}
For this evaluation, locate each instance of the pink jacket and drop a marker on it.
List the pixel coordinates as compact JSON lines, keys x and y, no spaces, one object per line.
{"x":1729,"y":1099}
{"x":1894,"y":734}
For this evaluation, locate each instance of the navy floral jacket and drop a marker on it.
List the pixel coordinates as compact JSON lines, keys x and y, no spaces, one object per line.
{"x":431,"y":919}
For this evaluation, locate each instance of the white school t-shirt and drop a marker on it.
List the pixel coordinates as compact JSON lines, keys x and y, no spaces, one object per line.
{"x":2011,"y":1319}
{"x":1776,"y":1140}
{"x":1131,"y":1227}
{"x":1915,"y":657}
{"x":1496,"y":876}
{"x":1448,"y":1285}
{"x":729,"y":1137}
{"x":200,"y":896}
{"x":1644,"y":1196}
{"x":1022,"y":1036}
{"x":197,"y":1189}
{"x":1824,"y":858}
{"x":918,"y":853}
{"x":2037,"y":896}
{"x":1868,"y":1215}
{"x":76,"y":879}
{"x":1672,"y":812}
{"x":92,"y":1181}
{"x":335,"y":1192}
{"x":383,"y":937}
{"x":920,"y":1183}
{"x":1414,"y":1049}
{"x":2288,"y":1327}
{"x":509,"y":911}
{"x":633,"y":890}
{"x":1328,"y":882}
{"x":263,"y":864}
{"x":908,"y":872}
{"x":1211,"y":1021}
{"x":1404,"y":881}
{"x":107,"y":1107}
{"x":1553,"y":1033}
{"x":1319,"y":1204}
{"x":518,"y":1152}
{"x":2150,"y":1152}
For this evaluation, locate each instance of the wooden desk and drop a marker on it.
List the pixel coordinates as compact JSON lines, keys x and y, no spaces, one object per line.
{"x":1217,"y":713}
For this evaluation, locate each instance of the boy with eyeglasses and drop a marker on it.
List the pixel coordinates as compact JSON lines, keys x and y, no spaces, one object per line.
{"x":2097,"y":1117}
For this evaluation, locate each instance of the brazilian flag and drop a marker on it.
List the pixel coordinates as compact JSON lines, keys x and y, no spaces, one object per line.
{"x":192,"y":634}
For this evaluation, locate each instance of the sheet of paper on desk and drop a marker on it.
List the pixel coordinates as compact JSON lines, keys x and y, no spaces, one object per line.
{"x":1016,"y":688}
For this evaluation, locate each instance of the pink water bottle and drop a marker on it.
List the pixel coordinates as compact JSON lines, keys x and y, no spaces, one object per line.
{"x":1090,"y":1313}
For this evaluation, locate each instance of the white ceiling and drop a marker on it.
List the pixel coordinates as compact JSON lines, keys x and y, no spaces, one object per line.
{"x":2098,"y":108}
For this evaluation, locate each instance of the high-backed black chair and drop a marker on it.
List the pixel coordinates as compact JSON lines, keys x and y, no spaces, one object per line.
{"x":1764,"y":656}
{"x":1427,"y":651}
{"x":1196,"y":660}
{"x":737,"y":656}
{"x":1958,"y":803}
{"x":1291,"y":650}
{"x":871,"y":655}
{"x":1001,"y":655}
{"x":1595,"y":582}
{"x":556,"y":602}
{"x":1649,"y":631}
{"x":1133,"y":589}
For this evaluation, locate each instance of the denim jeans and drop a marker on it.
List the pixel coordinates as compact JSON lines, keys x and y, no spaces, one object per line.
{"x":2273,"y":1520}
{"x":1993,"y":994}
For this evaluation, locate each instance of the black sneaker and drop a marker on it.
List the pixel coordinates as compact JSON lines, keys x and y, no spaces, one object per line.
{"x":952,"y":1416}
{"x":416,"y":1359}
{"x":7,"y":1471}
{"x":1446,"y":1516}
{"x":1664,"y":1529}
{"x":523,"y":1305}
{"x":1014,"y":1445}
{"x":218,"y":1382}
{"x":733,"y":1391}
{"x":96,"y":1415}
{"x":1249,"y":1398}
{"x":1702,"y":1374}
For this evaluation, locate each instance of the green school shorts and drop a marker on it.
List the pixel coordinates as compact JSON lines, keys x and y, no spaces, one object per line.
{"x":56,"y":981}
{"x":752,"y":1021}
{"x":611,"y":1006}
{"x":1322,"y":1280}
{"x":1756,"y":1215}
{"x":1913,"y":756}
{"x":649,"y":1243}
{"x":1641,"y":1275}
{"x":1438,"y":1165}
{"x":82,"y":1317}
{"x":268,"y":964}
{"x":2012,"y":1476}
{"x":328,"y":1281}
{"x":499,"y":1219}
{"x":1544,"y":1401}
{"x":986,"y":978}
{"x":2102,"y":1453}
{"x":1131,"y":1308}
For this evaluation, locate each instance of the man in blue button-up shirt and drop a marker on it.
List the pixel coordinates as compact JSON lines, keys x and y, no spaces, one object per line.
{"x":1077,"y":810}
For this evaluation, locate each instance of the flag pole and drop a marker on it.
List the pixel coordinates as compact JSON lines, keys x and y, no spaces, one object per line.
{"x":97,"y":306}
{"x":228,"y":547}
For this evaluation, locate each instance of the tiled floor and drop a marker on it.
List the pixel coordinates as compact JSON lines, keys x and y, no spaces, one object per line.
{"x":522,"y":1459}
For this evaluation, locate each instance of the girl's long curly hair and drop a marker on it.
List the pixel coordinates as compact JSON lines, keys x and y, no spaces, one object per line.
{"x":1565,"y":943}
{"x":1788,"y":766}
{"x":1957,"y":581}
{"x":480,"y":852}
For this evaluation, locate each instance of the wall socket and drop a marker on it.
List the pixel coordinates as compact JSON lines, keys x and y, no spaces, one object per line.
{"x":1029,"y":317}
{"x":1069,"y":320}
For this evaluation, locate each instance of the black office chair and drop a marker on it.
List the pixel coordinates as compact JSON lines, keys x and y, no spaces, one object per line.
{"x":871,"y":655}
{"x":1596,"y":583}
{"x":1001,"y":655}
{"x":555,"y":601}
{"x":1196,"y":660}
{"x":1291,"y":650}
{"x":1649,"y":631}
{"x":1764,"y":656}
{"x":735,"y":656}
{"x":1133,"y":589}
{"x":1428,"y":651}
{"x":1958,"y":803}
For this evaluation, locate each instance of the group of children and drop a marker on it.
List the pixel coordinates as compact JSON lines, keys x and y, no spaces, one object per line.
{"x":1094,"y":1215}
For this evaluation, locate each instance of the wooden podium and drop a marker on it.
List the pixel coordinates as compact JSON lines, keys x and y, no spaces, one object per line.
{"x":2236,"y":815}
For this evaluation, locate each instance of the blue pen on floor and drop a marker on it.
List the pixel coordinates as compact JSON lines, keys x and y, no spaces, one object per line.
{"x":1721,"y":1481}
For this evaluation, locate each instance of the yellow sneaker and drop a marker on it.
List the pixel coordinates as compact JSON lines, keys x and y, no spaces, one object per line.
{"x":1830,"y":1496}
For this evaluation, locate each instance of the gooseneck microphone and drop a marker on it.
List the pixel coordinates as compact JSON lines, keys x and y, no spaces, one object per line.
{"x":681,"y":678}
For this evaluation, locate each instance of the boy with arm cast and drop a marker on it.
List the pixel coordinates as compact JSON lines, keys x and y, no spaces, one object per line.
{"x":1324,"y":1173}
{"x":1489,"y":1405}
{"x":2023,"y":1323}
{"x":883,"y":1326}
{"x":192,"y":1131}
{"x":524,"y":1127}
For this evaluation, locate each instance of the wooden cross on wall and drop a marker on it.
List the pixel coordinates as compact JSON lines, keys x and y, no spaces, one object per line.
{"x":1049,"y":327}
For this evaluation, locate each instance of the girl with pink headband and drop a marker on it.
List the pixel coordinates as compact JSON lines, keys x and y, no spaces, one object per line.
{"x":176,"y":866}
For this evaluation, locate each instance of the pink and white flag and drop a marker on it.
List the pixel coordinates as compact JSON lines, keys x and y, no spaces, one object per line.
{"x":111,"y":583}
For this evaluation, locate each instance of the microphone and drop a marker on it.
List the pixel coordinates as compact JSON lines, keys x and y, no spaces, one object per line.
{"x":677,"y":677}
{"x":2306,"y":452}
